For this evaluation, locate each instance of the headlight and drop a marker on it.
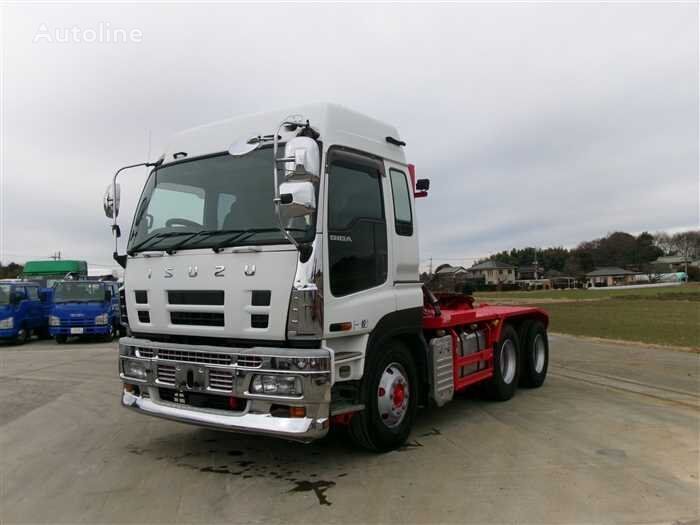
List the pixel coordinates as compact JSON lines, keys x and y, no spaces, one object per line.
{"x":276,"y":385}
{"x":102,"y":319}
{"x":54,"y":321}
{"x":301,"y":363}
{"x":134,"y":369}
{"x":7,"y":323}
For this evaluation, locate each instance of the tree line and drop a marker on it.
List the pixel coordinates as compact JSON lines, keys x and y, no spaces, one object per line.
{"x":618,"y":249}
{"x":11,"y":271}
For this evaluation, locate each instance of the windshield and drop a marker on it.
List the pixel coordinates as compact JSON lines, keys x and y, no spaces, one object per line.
{"x":211,"y":203}
{"x":5,"y":291}
{"x":65,"y":292}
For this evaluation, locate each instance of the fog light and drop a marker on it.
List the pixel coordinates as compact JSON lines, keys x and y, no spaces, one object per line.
{"x":134,"y":369}
{"x":276,"y":385}
{"x":54,"y":320}
{"x":132,"y":389}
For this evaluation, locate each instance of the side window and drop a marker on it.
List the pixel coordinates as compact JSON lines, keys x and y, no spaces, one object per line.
{"x":33,"y":293}
{"x":403,"y":217}
{"x":357,"y":237}
{"x":21,"y":292}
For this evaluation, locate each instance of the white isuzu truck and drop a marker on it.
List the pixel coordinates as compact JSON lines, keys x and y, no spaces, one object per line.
{"x":271,"y":286}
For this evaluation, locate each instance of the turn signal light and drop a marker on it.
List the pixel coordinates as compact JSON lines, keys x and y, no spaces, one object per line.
{"x":297,"y":412}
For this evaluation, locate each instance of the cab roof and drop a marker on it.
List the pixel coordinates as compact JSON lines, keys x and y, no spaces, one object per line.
{"x":337,"y":125}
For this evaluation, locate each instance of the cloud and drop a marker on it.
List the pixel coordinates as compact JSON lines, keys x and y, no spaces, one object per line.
{"x":538,"y":124}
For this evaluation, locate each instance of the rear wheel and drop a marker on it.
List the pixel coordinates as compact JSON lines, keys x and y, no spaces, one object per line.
{"x":390,"y":396}
{"x":61,"y":339}
{"x":535,"y":358}
{"x":506,"y":366}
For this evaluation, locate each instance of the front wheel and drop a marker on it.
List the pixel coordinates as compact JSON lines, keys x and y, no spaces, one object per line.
{"x":506,"y":365}
{"x":107,"y":338}
{"x":23,"y":335}
{"x":390,"y":394}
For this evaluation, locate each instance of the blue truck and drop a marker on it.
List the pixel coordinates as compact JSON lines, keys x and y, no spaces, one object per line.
{"x":24,"y":308}
{"x":84,"y":308}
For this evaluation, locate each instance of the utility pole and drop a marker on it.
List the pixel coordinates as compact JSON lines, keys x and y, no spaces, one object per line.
{"x":536,"y":265}
{"x":56,"y":256}
{"x":430,"y":268}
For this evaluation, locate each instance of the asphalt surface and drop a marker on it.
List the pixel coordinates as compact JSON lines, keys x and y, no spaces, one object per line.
{"x":612,"y":436}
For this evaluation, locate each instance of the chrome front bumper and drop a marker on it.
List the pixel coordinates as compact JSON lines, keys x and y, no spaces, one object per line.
{"x":256,"y":416}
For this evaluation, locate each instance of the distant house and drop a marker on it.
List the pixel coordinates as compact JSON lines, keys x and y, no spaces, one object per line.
{"x":493,"y":272}
{"x":560,"y":280}
{"x":673,"y":263}
{"x":526,"y":273}
{"x":446,"y":269}
{"x":610,"y":276}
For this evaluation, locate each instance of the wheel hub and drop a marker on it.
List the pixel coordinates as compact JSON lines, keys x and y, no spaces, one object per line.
{"x":393,"y":395}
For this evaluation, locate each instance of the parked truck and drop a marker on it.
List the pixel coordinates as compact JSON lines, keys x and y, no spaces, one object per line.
{"x":23,"y":310}
{"x":272,"y":287}
{"x":84,"y":308}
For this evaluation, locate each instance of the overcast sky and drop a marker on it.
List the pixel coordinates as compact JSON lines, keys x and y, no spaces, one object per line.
{"x":538,"y":124}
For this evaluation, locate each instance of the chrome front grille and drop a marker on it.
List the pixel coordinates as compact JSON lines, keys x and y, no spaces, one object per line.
{"x":221,"y":380}
{"x":166,"y":374}
{"x":249,"y":361}
{"x":144,"y":352}
{"x":186,"y":356}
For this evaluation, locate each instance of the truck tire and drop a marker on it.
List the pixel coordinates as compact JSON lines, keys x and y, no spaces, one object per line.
{"x":107,"y":338}
{"x":390,"y":395}
{"x":506,"y":366}
{"x":535,"y":355}
{"x":61,"y":339}
{"x":23,"y":335}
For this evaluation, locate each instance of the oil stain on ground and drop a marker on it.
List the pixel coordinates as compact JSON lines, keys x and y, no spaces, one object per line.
{"x":247,"y":469}
{"x":318,"y":487}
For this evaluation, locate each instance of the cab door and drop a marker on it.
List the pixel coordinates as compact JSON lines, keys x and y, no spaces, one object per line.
{"x":402,"y":225}
{"x":358,"y":286}
{"x":34,"y":309}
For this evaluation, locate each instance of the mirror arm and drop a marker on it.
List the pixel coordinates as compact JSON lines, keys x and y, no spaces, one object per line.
{"x":277,"y":199}
{"x":115,"y":226}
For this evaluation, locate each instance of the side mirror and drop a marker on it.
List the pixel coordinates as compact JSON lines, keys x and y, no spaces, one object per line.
{"x":423,"y":184}
{"x":297,"y":199}
{"x":110,"y":202}
{"x":302,"y":158}
{"x":108,"y":295}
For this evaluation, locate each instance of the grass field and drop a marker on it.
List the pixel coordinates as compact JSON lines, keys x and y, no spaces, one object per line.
{"x":665,"y":316}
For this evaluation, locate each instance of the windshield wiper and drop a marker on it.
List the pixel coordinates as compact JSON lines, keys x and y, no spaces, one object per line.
{"x":211,"y":233}
{"x":242,"y":235}
{"x":154,"y":237}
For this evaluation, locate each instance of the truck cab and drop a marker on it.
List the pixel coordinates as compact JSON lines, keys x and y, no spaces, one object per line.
{"x":22,"y":311}
{"x":84,"y":308}
{"x":272,"y":283}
